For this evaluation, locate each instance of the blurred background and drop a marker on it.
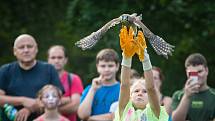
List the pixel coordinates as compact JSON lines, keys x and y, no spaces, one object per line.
{"x":189,"y":25}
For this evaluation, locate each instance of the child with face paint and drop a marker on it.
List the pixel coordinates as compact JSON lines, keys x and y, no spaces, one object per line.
{"x":50,"y":96}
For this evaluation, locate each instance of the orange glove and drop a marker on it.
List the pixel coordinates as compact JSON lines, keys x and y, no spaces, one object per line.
{"x":127,"y":43}
{"x":131,"y":45}
{"x":141,"y":43}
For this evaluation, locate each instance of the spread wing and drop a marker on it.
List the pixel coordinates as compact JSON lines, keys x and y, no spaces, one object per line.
{"x":160,"y":46}
{"x":90,"y":40}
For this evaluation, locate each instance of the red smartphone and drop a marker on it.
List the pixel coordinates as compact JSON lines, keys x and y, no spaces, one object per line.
{"x":193,"y":76}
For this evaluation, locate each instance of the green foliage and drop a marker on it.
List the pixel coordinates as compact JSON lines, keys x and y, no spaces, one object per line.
{"x":187,"y":24}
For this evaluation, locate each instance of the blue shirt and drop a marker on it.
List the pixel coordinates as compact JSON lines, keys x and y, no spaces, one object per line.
{"x":104,"y":97}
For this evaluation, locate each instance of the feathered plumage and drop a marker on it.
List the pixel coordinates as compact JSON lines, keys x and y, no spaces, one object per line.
{"x":159,"y":45}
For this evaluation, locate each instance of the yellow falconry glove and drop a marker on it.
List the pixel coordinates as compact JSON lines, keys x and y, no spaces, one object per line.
{"x":127,"y":42}
{"x":141,"y":43}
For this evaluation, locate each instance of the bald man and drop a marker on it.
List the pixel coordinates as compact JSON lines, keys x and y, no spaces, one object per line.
{"x":22,"y":79}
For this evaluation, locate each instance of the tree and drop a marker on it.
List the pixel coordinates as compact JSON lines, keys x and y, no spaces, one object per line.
{"x":187,"y":24}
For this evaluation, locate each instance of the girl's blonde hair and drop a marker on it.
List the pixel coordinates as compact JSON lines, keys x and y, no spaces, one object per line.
{"x":49,"y":86}
{"x":137,"y":82}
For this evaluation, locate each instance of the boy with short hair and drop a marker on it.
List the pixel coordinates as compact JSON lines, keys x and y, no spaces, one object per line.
{"x":195,"y":102}
{"x":104,"y":90}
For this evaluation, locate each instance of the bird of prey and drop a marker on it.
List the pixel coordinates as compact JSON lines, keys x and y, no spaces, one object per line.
{"x":160,"y":46}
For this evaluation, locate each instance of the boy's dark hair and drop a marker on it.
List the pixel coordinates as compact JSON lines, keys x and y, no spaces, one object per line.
{"x":58,"y":46}
{"x":107,"y":55}
{"x":195,"y":59}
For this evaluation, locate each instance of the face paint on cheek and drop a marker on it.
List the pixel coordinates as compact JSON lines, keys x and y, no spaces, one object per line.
{"x":51,"y":100}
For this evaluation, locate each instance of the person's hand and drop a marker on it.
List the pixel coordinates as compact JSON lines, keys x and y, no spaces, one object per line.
{"x":97,"y":82}
{"x":127,"y":42}
{"x":38,"y":107}
{"x":141,"y":43}
{"x":28,"y":102}
{"x":130,"y":44}
{"x":34,"y":105}
{"x":65,"y":100}
{"x":191,"y":88}
{"x":22,"y":115}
